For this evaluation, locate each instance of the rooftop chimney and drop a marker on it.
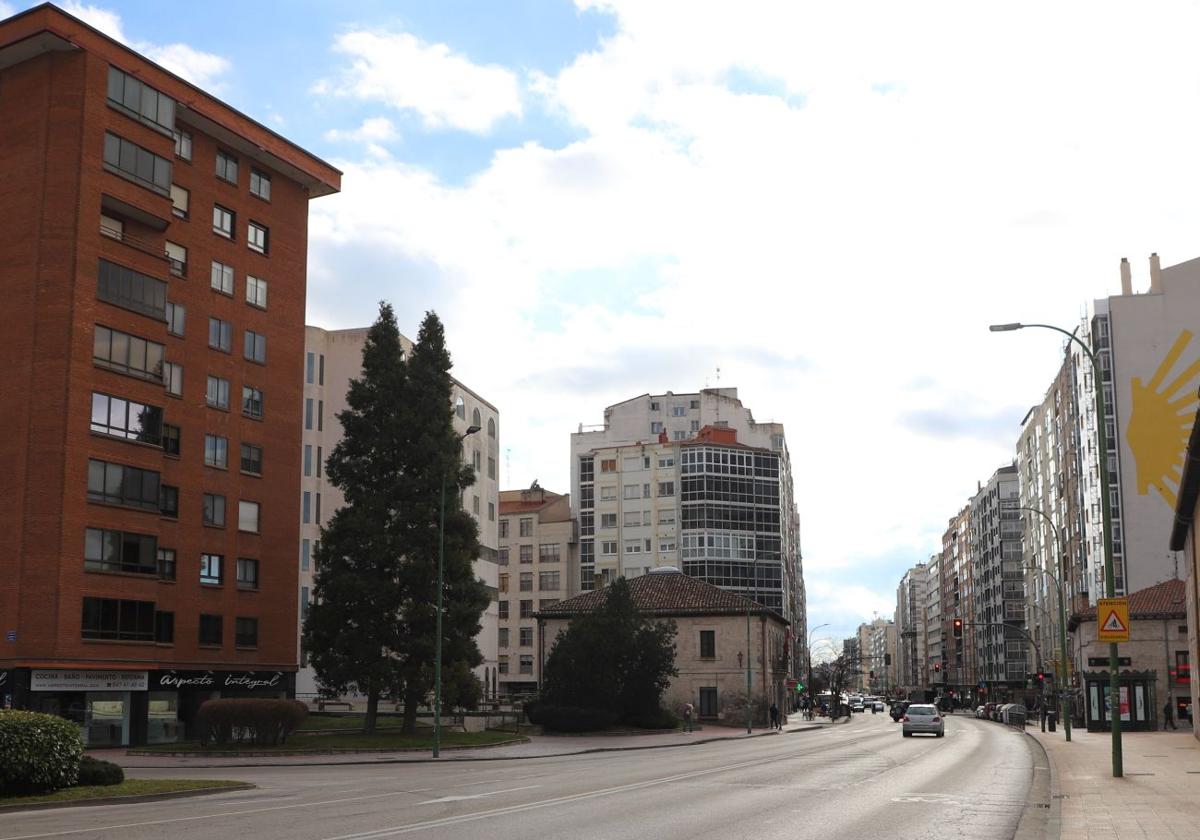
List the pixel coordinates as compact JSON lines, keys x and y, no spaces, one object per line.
{"x":1126,"y":277}
{"x":1155,"y":275}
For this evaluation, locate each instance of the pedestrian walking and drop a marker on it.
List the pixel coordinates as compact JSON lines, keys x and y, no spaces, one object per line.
{"x":774,"y":716}
{"x":1168,"y":716}
{"x":687,"y":717}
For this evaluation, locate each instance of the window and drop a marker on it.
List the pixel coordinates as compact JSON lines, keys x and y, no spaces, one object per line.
{"x":708,"y":702}
{"x":317,"y":508}
{"x":549,"y":553}
{"x":176,"y":318}
{"x":305,"y":554}
{"x":526,"y":554}
{"x":110,"y":618}
{"x":656,"y":427}
{"x":320,"y":459}
{"x":127,"y":353}
{"x":224,"y":221}
{"x":320,"y":415}
{"x":256,"y":295}
{"x":460,"y":408}
{"x":491,"y":427}
{"x":694,"y":404}
{"x":308,"y":413}
{"x":246,"y":632}
{"x":310,"y":361}
{"x":491,"y":473}
{"x":260,"y":184}
{"x":252,"y":458}
{"x":608,"y":493}
{"x":217,"y":394}
{"x":666,"y":488}
{"x":227,"y":167}
{"x":132,"y":162}
{"x":220,"y":335}
{"x":608,"y":520}
{"x":168,"y":500}
{"x":252,"y":402}
{"x":608,"y":547}
{"x":308,"y":451}
{"x":248,"y":516}
{"x":173,"y":379}
{"x":633,"y":547}
{"x":111,"y":227}
{"x":119,"y":551}
{"x":126,"y":419}
{"x":502,"y":583}
{"x":632,"y":491}
{"x":117,"y":484}
{"x":608,"y":465}
{"x":183,"y":144}
{"x":164,"y":627}
{"x":131,"y":290}
{"x":680,"y":435}
{"x":708,"y":644}
{"x":526,"y":664}
{"x":502,"y":556}
{"x":695,"y":425}
{"x":170,"y":439}
{"x":255,"y":347}
{"x":503,"y":529}
{"x":177,"y":257}
{"x":306,"y":507}
{"x":666,"y":461}
{"x":491,"y":511}
{"x":526,"y":581}
{"x":548,"y":581}
{"x":526,"y":637}
{"x":547,"y":603}
{"x":210,"y":629}
{"x":258,"y":237}
{"x":475,"y":505}
{"x":222,"y":278}
{"x":502,"y":606}
{"x":526,"y":527}
{"x":655,"y":406}
{"x":210,"y":568}
{"x":181,"y":200}
{"x":678,"y":411}
{"x":214,"y":510}
{"x":216,"y":451}
{"x":247,"y":573}
{"x":502,"y":665}
{"x":140,"y":101}
{"x":304,"y":602}
{"x":321,"y":369}
{"x":633,"y":518}
{"x":503,"y":641}
{"x":166,"y":563}
{"x":527,"y":609}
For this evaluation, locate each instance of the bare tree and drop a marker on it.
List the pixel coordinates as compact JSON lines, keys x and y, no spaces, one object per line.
{"x":837,"y":675}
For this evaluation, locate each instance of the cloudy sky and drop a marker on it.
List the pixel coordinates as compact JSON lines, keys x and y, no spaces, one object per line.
{"x":828,"y":202}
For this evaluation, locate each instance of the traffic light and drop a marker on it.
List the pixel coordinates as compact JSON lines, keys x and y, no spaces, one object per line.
{"x":872,"y":675}
{"x":887,"y":659}
{"x":799,"y":686}
{"x":958,"y":625}
{"x":937,"y":667}
{"x":1041,"y":677}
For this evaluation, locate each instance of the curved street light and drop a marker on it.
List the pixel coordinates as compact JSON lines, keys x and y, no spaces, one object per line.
{"x":1110,"y":587}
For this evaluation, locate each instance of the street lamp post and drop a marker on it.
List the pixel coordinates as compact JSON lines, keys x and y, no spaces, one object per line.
{"x":437,"y":656}
{"x":1110,"y":584}
{"x":1063,"y":696}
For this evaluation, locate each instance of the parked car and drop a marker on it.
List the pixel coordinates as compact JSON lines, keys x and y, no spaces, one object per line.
{"x":923,"y":717}
{"x":979,"y":710}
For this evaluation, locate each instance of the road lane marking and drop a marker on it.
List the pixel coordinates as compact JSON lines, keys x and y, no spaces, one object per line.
{"x":460,"y":798}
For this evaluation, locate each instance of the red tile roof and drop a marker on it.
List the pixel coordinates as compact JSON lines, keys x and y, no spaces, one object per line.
{"x":665,"y":593}
{"x":1163,"y":600}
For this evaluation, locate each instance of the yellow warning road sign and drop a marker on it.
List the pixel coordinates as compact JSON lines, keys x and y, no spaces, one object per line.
{"x":1113,"y":617}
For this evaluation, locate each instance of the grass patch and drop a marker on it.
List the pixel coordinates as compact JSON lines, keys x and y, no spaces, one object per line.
{"x":340,"y":723}
{"x":387,"y":740}
{"x":129,"y":787}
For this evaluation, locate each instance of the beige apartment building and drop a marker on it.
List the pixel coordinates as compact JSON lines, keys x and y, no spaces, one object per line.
{"x":331,"y":359}
{"x":538,"y":558}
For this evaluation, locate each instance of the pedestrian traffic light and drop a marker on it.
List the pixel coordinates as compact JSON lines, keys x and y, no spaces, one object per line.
{"x":958,"y":625}
{"x":799,"y":686}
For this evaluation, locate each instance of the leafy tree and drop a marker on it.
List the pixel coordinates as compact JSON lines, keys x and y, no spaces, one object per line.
{"x":613,"y":659}
{"x":371,"y":627}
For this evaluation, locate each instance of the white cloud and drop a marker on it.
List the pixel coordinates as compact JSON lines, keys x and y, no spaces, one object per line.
{"x":374,"y":130}
{"x":920,"y":172}
{"x":203,"y":69}
{"x":445,"y":88}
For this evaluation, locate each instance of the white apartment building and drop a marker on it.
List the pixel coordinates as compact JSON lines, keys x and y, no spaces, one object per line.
{"x":912,"y":672}
{"x":538,"y":559}
{"x":999,"y":604}
{"x":690,"y":480}
{"x":332,"y":358}
{"x":935,"y":664}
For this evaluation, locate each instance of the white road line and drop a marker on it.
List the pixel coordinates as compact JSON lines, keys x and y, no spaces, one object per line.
{"x":475,"y":795}
{"x":545,"y":803}
{"x":210,"y":816}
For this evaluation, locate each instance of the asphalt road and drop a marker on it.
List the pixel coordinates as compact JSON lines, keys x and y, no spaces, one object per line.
{"x":858,"y":781}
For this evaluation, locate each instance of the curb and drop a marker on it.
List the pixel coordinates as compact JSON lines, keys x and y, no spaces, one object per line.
{"x":125,"y":800}
{"x":1042,"y":820}
{"x":298,"y":753}
{"x":431,"y":760}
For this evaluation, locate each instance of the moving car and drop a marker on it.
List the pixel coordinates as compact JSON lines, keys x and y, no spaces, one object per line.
{"x":923,"y":717}
{"x":898,"y":709}
{"x":877,"y":704}
{"x":856,"y":704}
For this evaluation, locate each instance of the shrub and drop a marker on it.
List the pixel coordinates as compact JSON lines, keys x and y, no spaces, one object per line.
{"x":532,"y":711}
{"x":656,"y":719}
{"x":38,"y":752}
{"x":259,"y":721}
{"x":574,"y":719}
{"x":93,"y":771}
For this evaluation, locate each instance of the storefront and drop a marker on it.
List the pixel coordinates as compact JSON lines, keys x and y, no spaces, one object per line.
{"x":1137,"y":700}
{"x":122,"y":708}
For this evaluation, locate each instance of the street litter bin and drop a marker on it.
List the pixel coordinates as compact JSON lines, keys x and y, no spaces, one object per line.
{"x":1051,"y":720}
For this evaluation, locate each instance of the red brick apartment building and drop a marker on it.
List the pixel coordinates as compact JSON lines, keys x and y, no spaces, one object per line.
{"x":152,"y":285}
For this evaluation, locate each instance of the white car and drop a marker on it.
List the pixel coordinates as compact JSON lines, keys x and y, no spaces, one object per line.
{"x":877,"y":705}
{"x":923,"y":717}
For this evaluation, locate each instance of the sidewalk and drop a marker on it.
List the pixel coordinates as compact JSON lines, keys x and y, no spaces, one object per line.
{"x":538,"y":746}
{"x":1159,"y":796}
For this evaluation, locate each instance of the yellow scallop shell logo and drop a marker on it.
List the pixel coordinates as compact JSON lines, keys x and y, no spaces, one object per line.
{"x":1161,"y":421}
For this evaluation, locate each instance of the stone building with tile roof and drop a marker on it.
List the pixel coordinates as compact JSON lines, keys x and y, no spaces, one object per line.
{"x":713,"y":627}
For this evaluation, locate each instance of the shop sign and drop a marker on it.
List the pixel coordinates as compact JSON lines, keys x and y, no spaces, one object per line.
{"x":218,"y":680}
{"x":87,"y":681}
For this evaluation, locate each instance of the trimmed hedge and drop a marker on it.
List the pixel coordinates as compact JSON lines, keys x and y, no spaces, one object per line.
{"x":38,"y":752}
{"x":93,"y":771}
{"x":657,"y":719}
{"x":251,"y":720}
{"x":572,"y":718}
